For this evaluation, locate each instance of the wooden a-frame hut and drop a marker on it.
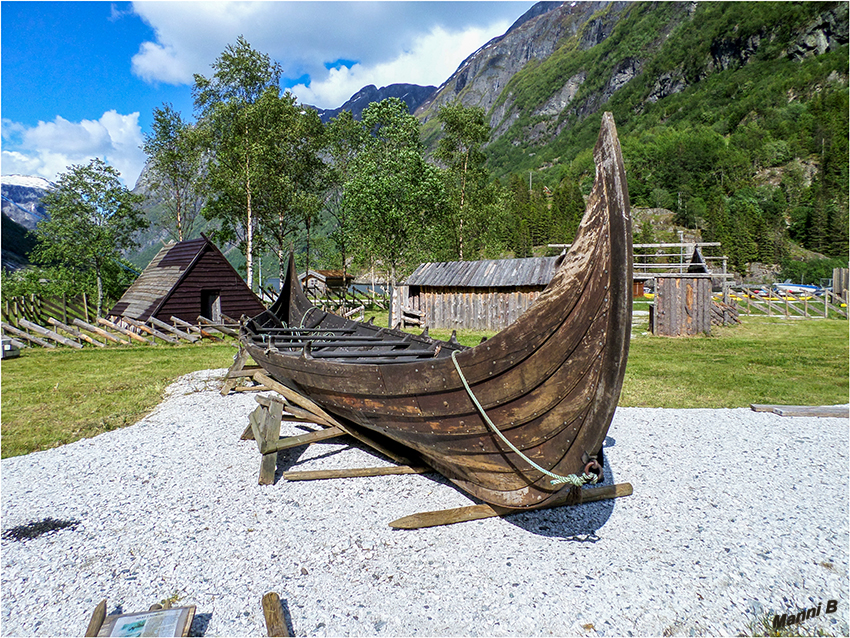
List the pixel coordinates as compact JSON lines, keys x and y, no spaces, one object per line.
{"x":185,"y":280}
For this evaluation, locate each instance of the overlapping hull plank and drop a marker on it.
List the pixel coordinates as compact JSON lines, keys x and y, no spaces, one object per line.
{"x":550,"y":381}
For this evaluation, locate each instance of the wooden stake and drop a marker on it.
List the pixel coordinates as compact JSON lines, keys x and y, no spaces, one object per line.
{"x":99,"y":331}
{"x":218,"y":327}
{"x":183,"y":335}
{"x":273,"y":612}
{"x":97,"y":617}
{"x":318,"y":475}
{"x":238,"y":363}
{"x":476,"y":512}
{"x":151,"y":331}
{"x":124,"y":331}
{"x":24,"y":335}
{"x":50,"y":334}
{"x":75,"y":332}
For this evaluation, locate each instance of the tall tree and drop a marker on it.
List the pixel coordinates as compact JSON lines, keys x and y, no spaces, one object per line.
{"x":397,"y":195}
{"x":93,"y":217}
{"x":345,"y":139}
{"x":174,"y":170}
{"x":227,"y":105}
{"x":465,"y":131}
{"x":290,"y":168}
{"x":567,"y":210}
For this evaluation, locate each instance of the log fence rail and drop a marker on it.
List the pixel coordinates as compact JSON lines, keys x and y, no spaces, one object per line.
{"x":46,"y":322}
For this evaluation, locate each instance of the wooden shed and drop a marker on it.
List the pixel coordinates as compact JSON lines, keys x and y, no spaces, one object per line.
{"x":322,"y":282}
{"x":186,"y":280}
{"x":479,"y":295}
{"x":682,"y":305}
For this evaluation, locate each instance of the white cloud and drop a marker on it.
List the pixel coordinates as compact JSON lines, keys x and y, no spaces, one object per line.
{"x":414,"y":42}
{"x":431,"y":59}
{"x":50,"y":148}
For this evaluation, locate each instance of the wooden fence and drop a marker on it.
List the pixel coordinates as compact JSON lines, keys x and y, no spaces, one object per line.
{"x":49,"y":322}
{"x":754,"y":301}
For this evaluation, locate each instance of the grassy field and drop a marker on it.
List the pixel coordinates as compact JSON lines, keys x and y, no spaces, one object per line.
{"x":53,"y":397}
{"x":50,"y":398}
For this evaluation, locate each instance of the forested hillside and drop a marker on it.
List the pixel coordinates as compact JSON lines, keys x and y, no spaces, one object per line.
{"x":733,"y":115}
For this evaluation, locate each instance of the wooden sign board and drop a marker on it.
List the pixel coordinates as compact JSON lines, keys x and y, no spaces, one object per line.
{"x":163,"y":622}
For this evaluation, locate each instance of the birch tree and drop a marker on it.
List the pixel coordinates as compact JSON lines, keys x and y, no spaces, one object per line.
{"x":227,"y":105}
{"x":174,"y":170}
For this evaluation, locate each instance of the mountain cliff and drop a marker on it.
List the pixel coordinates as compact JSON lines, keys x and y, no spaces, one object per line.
{"x":539,"y":82}
{"x":22,"y":198}
{"x":411,"y":94}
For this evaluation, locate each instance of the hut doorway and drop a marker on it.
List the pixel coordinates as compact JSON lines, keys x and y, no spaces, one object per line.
{"x":211,"y":304}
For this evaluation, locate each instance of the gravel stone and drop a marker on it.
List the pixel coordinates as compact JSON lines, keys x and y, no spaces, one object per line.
{"x":735,"y":515}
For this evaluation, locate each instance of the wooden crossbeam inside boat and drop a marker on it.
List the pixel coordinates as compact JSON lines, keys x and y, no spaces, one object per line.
{"x":328,"y":342}
{"x":372,"y":354}
{"x":284,"y":331}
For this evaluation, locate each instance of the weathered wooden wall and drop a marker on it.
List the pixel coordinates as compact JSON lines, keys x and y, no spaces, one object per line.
{"x":682,"y":306}
{"x":840,"y":283}
{"x":473,"y":308}
{"x":210,"y":272}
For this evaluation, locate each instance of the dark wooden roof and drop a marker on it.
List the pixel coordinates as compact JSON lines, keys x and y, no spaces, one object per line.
{"x":169,"y":283}
{"x":488,"y":273}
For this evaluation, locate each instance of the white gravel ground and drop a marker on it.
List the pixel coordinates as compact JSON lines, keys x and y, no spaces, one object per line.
{"x":735,"y":515}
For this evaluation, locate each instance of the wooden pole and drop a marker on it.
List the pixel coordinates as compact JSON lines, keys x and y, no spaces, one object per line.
{"x":273,"y":612}
{"x":318,"y":475}
{"x":97,"y":618}
{"x":476,"y":512}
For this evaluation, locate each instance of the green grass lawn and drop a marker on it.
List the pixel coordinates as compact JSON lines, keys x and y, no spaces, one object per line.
{"x":50,"y":398}
{"x":53,"y":397}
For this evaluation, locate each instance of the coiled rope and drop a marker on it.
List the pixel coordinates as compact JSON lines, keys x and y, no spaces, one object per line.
{"x":557,"y":479}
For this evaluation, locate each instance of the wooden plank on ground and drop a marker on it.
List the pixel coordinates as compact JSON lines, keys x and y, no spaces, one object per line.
{"x":273,"y":612}
{"x":359,"y":472}
{"x":151,"y":331}
{"x":50,"y":334}
{"x":173,"y":330}
{"x":18,"y":344}
{"x":177,"y":321}
{"x":124,"y":331}
{"x":97,"y":617}
{"x":185,"y":325}
{"x":25,"y":335}
{"x":75,"y":332}
{"x":99,"y":331}
{"x":476,"y":512}
{"x":835,"y":411}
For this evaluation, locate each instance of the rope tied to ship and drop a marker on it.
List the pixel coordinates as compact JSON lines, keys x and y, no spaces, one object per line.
{"x":557,"y":479}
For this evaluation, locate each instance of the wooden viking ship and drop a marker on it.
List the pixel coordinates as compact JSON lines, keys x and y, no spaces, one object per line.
{"x":500,"y":419}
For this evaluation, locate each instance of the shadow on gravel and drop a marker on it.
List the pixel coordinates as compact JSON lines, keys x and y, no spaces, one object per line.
{"x":200,"y":623}
{"x":577,"y":524}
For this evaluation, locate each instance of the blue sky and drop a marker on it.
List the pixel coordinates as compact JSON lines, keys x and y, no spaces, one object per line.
{"x":81,"y":79}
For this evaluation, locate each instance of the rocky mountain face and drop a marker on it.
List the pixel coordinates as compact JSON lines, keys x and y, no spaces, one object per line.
{"x":411,"y":94}
{"x":22,"y":199}
{"x":22,"y":210}
{"x":558,"y":65}
{"x":482,"y":77}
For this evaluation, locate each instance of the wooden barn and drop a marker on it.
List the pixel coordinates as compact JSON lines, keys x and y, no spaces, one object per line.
{"x":186,"y":280}
{"x":478,"y":295}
